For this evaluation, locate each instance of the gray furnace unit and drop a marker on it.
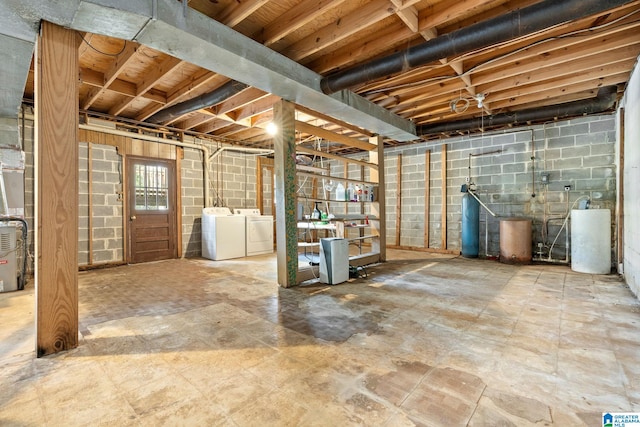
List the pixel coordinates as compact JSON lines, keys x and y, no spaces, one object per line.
{"x":8,"y":263}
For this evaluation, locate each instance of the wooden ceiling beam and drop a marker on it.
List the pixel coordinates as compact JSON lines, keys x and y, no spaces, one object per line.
{"x":340,"y":123}
{"x":240,"y":100}
{"x":230,"y":130}
{"x":439,"y":13}
{"x":450,"y":89}
{"x":332,"y":136}
{"x":324,"y":154}
{"x":193,"y":83}
{"x":94,"y":78}
{"x":196,"y":119}
{"x":128,"y":54}
{"x":182,"y":90}
{"x":587,"y":66}
{"x":150,"y":80}
{"x":247,"y":134}
{"x":91,"y":77}
{"x":239,"y":11}
{"x":408,"y":14}
{"x":555,"y":54}
{"x":405,"y":81}
{"x":340,"y":29}
{"x":295,"y":18}
{"x":362,"y":48}
{"x":552,"y":89}
{"x":261,"y":120}
{"x":261,"y":106}
{"x":540,"y":43}
{"x":211,"y":126}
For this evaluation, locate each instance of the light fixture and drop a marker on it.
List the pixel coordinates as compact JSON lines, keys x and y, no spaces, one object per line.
{"x":479,"y":98}
{"x":272,"y":129}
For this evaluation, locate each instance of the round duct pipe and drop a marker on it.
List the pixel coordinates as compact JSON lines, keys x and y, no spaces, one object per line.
{"x":605,"y":99}
{"x":225,"y":91}
{"x":487,"y":33}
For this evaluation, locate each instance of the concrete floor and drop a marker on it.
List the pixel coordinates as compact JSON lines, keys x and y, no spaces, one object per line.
{"x":425,"y":340}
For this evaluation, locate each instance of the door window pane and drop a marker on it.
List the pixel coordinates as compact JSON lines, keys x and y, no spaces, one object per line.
{"x":151,"y":187}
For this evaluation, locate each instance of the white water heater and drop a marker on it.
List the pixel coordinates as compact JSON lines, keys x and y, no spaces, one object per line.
{"x":8,"y":263}
{"x":591,"y":241}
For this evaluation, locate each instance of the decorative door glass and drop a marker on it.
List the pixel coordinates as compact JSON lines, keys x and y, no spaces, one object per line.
{"x":151,"y":187}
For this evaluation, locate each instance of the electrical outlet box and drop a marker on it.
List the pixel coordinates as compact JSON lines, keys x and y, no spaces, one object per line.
{"x":567,"y":188}
{"x":544,"y":177}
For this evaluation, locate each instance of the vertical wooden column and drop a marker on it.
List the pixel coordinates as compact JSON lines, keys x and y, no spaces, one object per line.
{"x":56,"y":166}
{"x":427,"y":196}
{"x":443,"y":161}
{"x":179,"y":155}
{"x":285,"y":194}
{"x":378,"y":208}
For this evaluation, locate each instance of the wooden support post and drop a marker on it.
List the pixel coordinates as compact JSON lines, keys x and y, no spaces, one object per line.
{"x":398,"y":198}
{"x":443,"y":161}
{"x":178,"y":152}
{"x":427,"y":196}
{"x":378,"y":208}
{"x":285,"y":194}
{"x":56,"y":161}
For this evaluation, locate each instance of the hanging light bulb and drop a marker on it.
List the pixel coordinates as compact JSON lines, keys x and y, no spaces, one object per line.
{"x":272,"y":129}
{"x":479,"y":98}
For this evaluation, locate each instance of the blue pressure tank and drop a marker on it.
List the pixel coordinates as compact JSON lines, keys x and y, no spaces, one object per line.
{"x":470,"y":226}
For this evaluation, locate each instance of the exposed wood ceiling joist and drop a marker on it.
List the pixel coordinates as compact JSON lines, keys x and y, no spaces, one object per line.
{"x":137,"y":80}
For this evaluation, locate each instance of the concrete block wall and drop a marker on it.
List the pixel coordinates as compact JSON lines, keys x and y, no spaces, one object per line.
{"x":107,"y":213}
{"x":412,"y":197}
{"x":507,"y":168}
{"x":234,"y":180}
{"x":192,"y":202}
{"x":412,"y":192}
{"x":235,"y":185}
{"x":267,"y":190}
{"x":28,"y":138}
{"x":106,"y":205}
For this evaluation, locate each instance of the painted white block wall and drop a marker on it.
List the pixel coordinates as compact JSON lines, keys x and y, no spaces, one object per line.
{"x":631,"y":251}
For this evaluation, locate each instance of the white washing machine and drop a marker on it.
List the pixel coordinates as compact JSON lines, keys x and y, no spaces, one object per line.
{"x":223,"y":234}
{"x":259,"y":231}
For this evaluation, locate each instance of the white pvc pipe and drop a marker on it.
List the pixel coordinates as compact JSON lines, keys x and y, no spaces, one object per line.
{"x":256,"y":151}
{"x":204,"y":149}
{"x":483,"y":205}
{"x":206,"y":154}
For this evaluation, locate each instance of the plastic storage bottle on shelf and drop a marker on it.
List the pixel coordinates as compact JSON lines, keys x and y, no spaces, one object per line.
{"x":340,"y":193}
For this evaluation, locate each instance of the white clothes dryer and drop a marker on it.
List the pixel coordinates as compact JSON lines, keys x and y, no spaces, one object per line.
{"x":223,"y":234}
{"x":259,"y":231}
